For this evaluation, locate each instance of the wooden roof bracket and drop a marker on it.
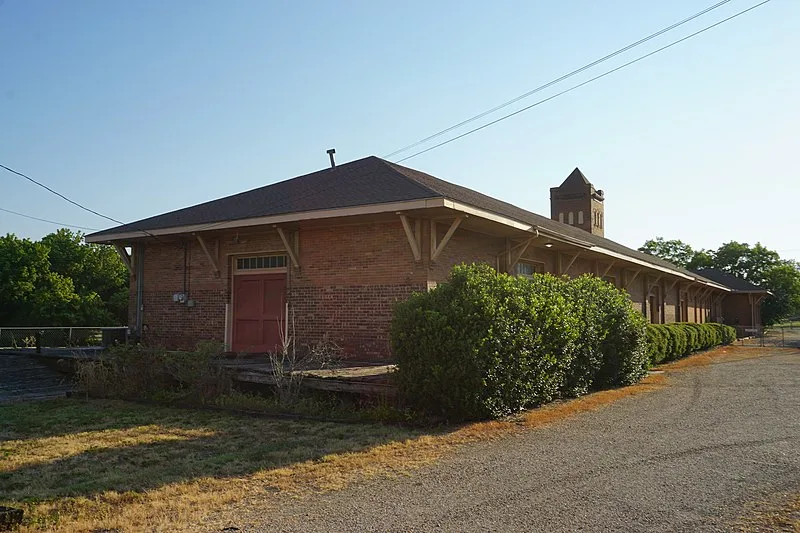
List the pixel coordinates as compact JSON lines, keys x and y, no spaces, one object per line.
{"x":126,"y":258}
{"x":654,"y":283}
{"x":413,"y":237}
{"x":211,"y":258}
{"x":290,"y":249}
{"x":608,"y":269}
{"x":569,"y":265}
{"x":673,"y":284}
{"x":523,"y":246}
{"x":437,"y":249}
{"x":630,"y":281}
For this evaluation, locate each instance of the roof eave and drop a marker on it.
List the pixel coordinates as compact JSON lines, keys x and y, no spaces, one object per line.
{"x":108,"y":238}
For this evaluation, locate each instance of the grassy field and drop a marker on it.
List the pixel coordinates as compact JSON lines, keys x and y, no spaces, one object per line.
{"x":81,"y":464}
{"x":85,"y":465}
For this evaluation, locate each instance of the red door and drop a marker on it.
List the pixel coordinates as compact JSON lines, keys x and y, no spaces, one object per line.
{"x":258,"y":312}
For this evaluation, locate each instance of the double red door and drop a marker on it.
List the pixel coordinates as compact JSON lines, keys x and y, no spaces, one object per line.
{"x":259,"y":303}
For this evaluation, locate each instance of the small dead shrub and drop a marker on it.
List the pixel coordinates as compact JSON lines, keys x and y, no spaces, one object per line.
{"x":137,"y":372}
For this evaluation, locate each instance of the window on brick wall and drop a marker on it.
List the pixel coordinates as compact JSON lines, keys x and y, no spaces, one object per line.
{"x":261,"y":262}
{"x":580,"y":217}
{"x":528,"y":268}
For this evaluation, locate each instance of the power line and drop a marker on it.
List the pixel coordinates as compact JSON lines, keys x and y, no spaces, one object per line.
{"x":565,"y":91}
{"x":73,"y":202}
{"x":558,"y":80}
{"x":45,"y":220}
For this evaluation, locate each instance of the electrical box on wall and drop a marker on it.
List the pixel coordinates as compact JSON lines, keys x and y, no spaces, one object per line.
{"x":179,"y":297}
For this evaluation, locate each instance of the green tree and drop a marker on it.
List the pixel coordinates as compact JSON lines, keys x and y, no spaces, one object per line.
{"x":744,"y":261}
{"x":60,"y":281}
{"x":675,"y":251}
{"x":24,"y":268}
{"x":783,"y":281}
{"x":757,"y":264}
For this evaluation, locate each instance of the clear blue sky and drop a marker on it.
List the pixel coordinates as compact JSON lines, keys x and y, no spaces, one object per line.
{"x":137,"y":108}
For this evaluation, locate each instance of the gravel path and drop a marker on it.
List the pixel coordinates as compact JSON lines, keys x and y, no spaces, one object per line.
{"x":684,"y":458}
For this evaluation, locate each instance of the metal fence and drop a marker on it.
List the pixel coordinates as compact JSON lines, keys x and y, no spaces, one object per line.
{"x":778,"y":336}
{"x":53,"y":337}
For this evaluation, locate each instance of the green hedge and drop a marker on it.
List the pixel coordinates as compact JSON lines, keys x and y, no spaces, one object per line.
{"x":485,"y":344}
{"x":666,"y":342}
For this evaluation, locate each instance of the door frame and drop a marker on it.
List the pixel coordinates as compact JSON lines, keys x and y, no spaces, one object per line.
{"x":231,"y":264}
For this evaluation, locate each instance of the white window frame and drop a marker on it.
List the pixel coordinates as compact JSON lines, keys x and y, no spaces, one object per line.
{"x":267,"y":270}
{"x":534,"y":264}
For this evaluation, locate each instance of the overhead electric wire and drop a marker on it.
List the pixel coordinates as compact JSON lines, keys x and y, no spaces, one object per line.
{"x":45,"y":220}
{"x":565,"y":91}
{"x":73,"y":202}
{"x":560,"y":79}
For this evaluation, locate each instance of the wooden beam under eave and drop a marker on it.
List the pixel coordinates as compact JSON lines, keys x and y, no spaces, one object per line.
{"x":412,"y":238}
{"x":522,"y":248}
{"x":608,"y":269}
{"x":630,"y":281}
{"x":451,"y":230}
{"x":569,"y":265}
{"x":211,"y":258}
{"x":289,"y":248}
{"x":126,"y":259}
{"x":673,"y":284}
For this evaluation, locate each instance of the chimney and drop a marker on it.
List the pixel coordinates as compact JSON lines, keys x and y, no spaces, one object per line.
{"x":330,"y":154}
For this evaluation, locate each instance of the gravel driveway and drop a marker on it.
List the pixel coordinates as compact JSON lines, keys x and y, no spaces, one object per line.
{"x":684,"y":458}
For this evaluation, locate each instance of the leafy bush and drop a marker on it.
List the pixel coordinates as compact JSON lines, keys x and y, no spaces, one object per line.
{"x":666,"y":342}
{"x":485,"y":344}
{"x":611,"y":349}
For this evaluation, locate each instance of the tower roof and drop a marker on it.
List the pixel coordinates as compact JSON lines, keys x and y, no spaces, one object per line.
{"x":576,"y":180}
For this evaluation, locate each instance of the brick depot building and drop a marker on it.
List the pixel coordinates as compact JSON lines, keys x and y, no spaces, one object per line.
{"x":327,"y":254}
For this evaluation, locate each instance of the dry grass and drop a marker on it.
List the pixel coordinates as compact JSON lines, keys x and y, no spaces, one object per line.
{"x":724,"y":354}
{"x":781,"y":513}
{"x":79,"y":466}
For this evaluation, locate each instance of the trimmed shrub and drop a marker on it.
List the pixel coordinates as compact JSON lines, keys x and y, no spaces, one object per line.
{"x":672,"y":341}
{"x":656,"y":344}
{"x":611,"y":349}
{"x":485,"y":344}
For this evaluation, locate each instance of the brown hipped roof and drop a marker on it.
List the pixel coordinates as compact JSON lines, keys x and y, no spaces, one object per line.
{"x":367,"y":181}
{"x":734,"y":283}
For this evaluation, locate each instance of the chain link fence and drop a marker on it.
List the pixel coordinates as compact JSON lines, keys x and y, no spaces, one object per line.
{"x":776,"y":336}
{"x":52,"y":337}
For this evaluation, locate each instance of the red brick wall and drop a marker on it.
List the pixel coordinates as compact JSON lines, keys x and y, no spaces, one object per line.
{"x":464,"y":247}
{"x":349,"y":279}
{"x":736,"y":310}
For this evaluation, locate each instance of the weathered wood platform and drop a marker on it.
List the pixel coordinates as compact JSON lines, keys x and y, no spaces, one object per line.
{"x":350,"y":377}
{"x":24,"y":378}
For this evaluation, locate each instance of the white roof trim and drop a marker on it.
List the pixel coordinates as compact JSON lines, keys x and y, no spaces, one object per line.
{"x":274,"y":219}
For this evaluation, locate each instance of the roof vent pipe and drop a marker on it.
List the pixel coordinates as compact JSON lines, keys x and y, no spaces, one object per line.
{"x":330,"y":154}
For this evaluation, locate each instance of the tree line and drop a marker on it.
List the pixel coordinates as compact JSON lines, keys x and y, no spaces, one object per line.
{"x":61,"y":281}
{"x":757,"y":264}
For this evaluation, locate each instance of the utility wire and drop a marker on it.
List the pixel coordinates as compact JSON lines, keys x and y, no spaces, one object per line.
{"x":558,"y":80}
{"x":73,"y":202}
{"x":565,"y":91}
{"x":45,"y":220}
